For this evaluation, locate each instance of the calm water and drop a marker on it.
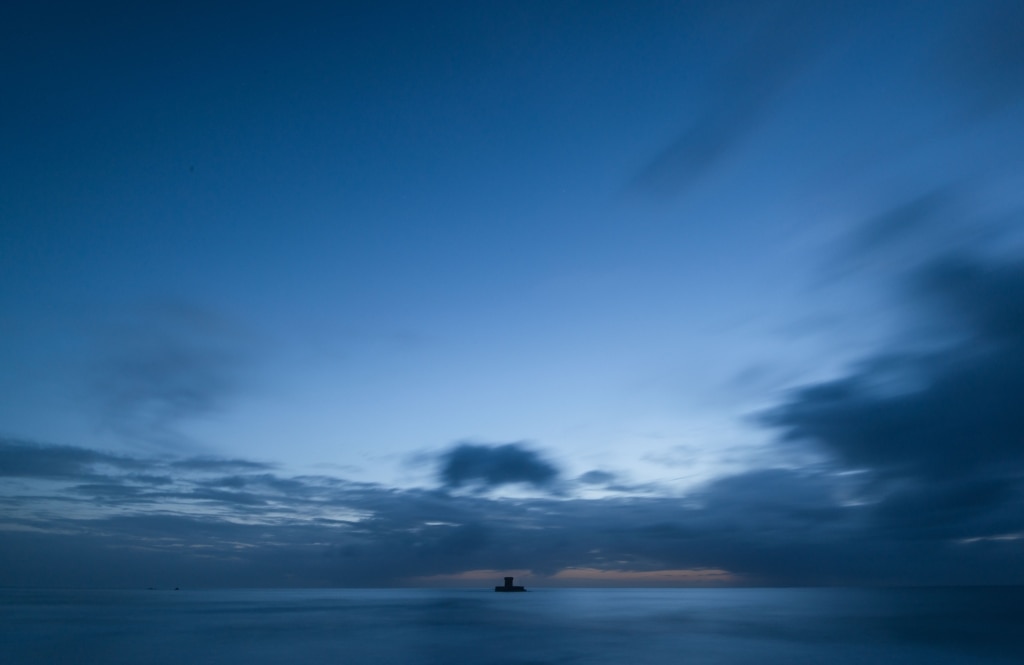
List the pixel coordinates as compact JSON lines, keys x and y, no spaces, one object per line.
{"x":407,"y":627}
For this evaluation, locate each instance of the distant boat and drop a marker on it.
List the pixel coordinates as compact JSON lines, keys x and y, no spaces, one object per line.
{"x":509,"y":586}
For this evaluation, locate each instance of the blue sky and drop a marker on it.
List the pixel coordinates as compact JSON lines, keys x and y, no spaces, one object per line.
{"x":588,"y":253}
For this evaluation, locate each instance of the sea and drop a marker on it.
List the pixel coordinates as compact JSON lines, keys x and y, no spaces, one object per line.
{"x":937,"y":626}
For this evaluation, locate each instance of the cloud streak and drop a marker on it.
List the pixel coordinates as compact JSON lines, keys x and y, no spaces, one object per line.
{"x":772,"y":44}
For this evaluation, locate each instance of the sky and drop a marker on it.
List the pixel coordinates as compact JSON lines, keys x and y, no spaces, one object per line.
{"x":595,"y":293}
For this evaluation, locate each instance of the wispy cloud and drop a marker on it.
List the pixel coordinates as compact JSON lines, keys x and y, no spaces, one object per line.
{"x":983,"y":57}
{"x":168,"y":364}
{"x":771,"y":44}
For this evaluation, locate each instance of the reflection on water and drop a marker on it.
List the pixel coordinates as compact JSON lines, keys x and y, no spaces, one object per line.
{"x":411,"y":626}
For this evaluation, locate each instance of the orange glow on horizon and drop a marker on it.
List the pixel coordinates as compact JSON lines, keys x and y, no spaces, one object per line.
{"x":670,"y":577}
{"x":597,"y":577}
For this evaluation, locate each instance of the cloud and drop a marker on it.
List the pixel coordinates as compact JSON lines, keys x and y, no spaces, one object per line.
{"x":931,"y":413}
{"x":213,"y":464}
{"x":983,"y":56}
{"x":597,"y":477}
{"x":908,"y":232}
{"x":31,"y":460}
{"x":770,"y":46}
{"x":772,"y":526}
{"x":984,"y":298}
{"x":488,"y":466}
{"x":918,"y":480}
{"x":168,"y":364}
{"x":935,"y":430}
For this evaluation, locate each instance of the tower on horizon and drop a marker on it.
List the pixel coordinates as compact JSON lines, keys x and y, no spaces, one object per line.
{"x":509,"y":586}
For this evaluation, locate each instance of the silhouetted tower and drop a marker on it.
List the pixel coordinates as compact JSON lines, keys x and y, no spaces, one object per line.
{"x":509,"y":586}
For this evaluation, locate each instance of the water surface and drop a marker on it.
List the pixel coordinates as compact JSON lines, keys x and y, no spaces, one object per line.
{"x":414,"y":626}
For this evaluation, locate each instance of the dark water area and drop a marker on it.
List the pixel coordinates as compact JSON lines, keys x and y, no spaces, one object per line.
{"x":413,"y":626}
